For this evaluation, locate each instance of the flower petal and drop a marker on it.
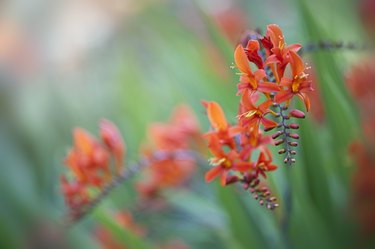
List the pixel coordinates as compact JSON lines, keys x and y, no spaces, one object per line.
{"x":216,"y":116}
{"x":223,"y":179}
{"x":305,"y":100}
{"x":268,"y":123}
{"x":283,"y":96}
{"x":276,"y":35}
{"x":83,"y":141}
{"x":213,"y":173}
{"x":241,"y":60}
{"x":268,"y":87}
{"x":296,"y":63}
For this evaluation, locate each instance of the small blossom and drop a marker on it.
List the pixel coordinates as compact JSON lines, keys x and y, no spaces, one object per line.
{"x":298,"y":85}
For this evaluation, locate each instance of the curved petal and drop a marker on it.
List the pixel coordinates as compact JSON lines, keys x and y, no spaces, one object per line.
{"x":223,"y":179}
{"x":283,"y":96}
{"x":246,"y":100}
{"x":294,"y":47}
{"x":305,"y":100}
{"x":216,"y":116}
{"x":286,"y":81}
{"x":252,"y":50}
{"x":213,"y":173}
{"x":296,"y":63}
{"x":83,"y":141}
{"x":271,"y":59}
{"x":268,"y":123}
{"x":241,"y":60}
{"x":242,"y":166}
{"x":260,"y":74}
{"x":234,"y":130}
{"x":268,"y":87}
{"x":276,"y":35}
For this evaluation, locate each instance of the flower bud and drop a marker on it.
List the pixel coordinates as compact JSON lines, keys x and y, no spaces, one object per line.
{"x":278,"y":142}
{"x":293,"y":126}
{"x":294,"y":144}
{"x":297,"y":114}
{"x":294,"y":135}
{"x":277,"y":134}
{"x":231,"y":179}
{"x":282,"y":151}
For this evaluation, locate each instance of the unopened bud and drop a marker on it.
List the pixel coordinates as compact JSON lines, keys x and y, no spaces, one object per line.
{"x":254,"y":183}
{"x":297,"y":114}
{"x":294,"y":135}
{"x":293,"y":152}
{"x":231,"y":180}
{"x":294,"y":144}
{"x":293,"y":126}
{"x":272,"y":199}
{"x":282,"y":151}
{"x":278,"y":142}
{"x":277,"y":134}
{"x":268,"y":128}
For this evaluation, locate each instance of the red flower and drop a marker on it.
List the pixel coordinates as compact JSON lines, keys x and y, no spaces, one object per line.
{"x":298,"y":85}
{"x":89,"y":163}
{"x":253,"y":116}
{"x":220,"y":125}
{"x":248,"y":79}
{"x":277,"y":51}
{"x":224,"y":162}
{"x":165,"y":170}
{"x":264,"y":165}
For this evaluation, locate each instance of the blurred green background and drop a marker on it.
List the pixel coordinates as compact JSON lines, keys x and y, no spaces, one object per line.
{"x":69,"y":63}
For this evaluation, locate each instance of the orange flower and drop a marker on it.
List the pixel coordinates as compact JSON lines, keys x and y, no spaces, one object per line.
{"x":89,"y":164}
{"x":248,"y":79}
{"x":253,"y":116}
{"x":298,"y":85}
{"x":181,"y":130}
{"x":166,"y":139}
{"x":220,"y":125}
{"x":264,"y":165}
{"x":224,"y":162}
{"x":88,"y":159}
{"x":277,"y":50}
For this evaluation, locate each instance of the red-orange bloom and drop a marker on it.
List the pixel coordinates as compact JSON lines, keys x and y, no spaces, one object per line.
{"x":220,"y":125}
{"x":167,"y":139}
{"x":89,"y":164}
{"x":248,"y":79}
{"x":224,"y":162}
{"x":253,"y":116}
{"x":298,"y":85}
{"x":263,"y":164}
{"x":88,"y":160}
{"x":277,"y":50}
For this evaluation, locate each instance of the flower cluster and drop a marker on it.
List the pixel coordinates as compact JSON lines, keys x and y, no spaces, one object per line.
{"x":169,"y":153}
{"x":89,"y":162}
{"x":266,"y":88}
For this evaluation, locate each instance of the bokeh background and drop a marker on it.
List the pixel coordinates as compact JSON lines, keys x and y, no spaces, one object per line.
{"x":70,"y":63}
